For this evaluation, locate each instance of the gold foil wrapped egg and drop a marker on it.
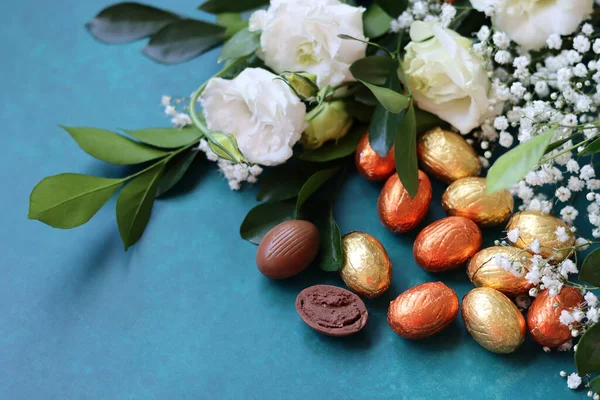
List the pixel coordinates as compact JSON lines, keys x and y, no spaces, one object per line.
{"x":543,"y":317}
{"x":447,"y":244}
{"x":484,"y":271}
{"x":447,"y":155}
{"x":534,"y":225}
{"x":423,"y":310}
{"x":370,"y":164}
{"x":367,"y":269}
{"x":397,"y":211}
{"x":493,"y":320}
{"x":466,"y":197}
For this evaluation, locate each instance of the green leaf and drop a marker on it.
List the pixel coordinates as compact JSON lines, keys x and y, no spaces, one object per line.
{"x":183,"y":40}
{"x":591,"y":148}
{"x":221,"y":6}
{"x":345,"y":147}
{"x":587,"y":356}
{"x":405,"y":152}
{"x":282,"y":183}
{"x":134,"y":204}
{"x":112,"y":147}
{"x":167,"y":138}
{"x":555,"y":145}
{"x":590,"y":270}
{"x":384,"y":125}
{"x":375,"y":69}
{"x":314,"y":183}
{"x":128,"y":22}
{"x":376,"y":22}
{"x":393,"y":7}
{"x":174,"y":171}
{"x":265,"y":216}
{"x":242,"y":44}
{"x":512,"y":166}
{"x":69,"y":200}
{"x":392,"y":101}
{"x":330,"y":256}
{"x":426,"y":120}
{"x":595,"y":384}
{"x":232,"y":22}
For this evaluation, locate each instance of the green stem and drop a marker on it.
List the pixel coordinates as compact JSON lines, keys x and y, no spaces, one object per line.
{"x":165,"y":160}
{"x":545,"y":160}
{"x":345,"y":95}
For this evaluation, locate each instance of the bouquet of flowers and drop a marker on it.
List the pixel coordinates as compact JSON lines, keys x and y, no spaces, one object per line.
{"x":309,"y":88}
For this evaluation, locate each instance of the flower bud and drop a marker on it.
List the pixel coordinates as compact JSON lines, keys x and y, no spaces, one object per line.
{"x":328,"y":121}
{"x":302,"y":84}
{"x":225,"y":146}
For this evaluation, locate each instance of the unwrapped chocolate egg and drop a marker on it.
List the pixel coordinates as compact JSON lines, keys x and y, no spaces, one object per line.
{"x":367,"y":269}
{"x":370,"y":164}
{"x":483,"y":270}
{"x":423,"y":310}
{"x":534,"y":225}
{"x":447,"y":155}
{"x":287,"y":249}
{"x":466,"y":197}
{"x":447,"y":244}
{"x":493,"y":320}
{"x":543,"y":317}
{"x":397,"y":211}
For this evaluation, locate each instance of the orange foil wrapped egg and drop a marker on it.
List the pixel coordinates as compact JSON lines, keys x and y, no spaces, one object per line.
{"x":483,"y":270}
{"x":397,"y":211}
{"x":447,"y":156}
{"x":447,"y":244}
{"x":423,"y":310}
{"x":543,"y":317}
{"x":370,"y":164}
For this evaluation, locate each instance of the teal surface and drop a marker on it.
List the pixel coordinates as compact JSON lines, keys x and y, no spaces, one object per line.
{"x":185,"y":314}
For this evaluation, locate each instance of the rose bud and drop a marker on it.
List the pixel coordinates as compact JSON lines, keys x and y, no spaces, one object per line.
{"x":329,"y":121}
{"x":302,"y":84}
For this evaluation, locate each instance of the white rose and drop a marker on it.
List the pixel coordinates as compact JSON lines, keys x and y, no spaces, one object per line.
{"x":446,"y":78}
{"x":302,"y":35}
{"x":530,"y":23}
{"x":262,"y":113}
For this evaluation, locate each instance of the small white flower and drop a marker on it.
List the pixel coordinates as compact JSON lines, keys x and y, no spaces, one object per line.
{"x":561,"y":234}
{"x":569,"y":214}
{"x":483,"y":34}
{"x":503,"y":57}
{"x":568,"y":267}
{"x":587,"y":29}
{"x":536,"y":247}
{"x":573,"y":381}
{"x":170,"y":111}
{"x":165,"y":101}
{"x":591,"y":299}
{"x":180,"y":120}
{"x":567,"y":346}
{"x":575,"y":184}
{"x":501,"y":123}
{"x":578,"y":315}
{"x":587,"y":172}
{"x":563,"y":374}
{"x":546,"y":349}
{"x":573,"y":166}
{"x":554,"y":42}
{"x":517,"y":89}
{"x":563,"y":194}
{"x":596,"y":46}
{"x":566,"y":318}
{"x":592,"y":315}
{"x":533,"y":292}
{"x":574,"y":332}
{"x":581,"y":44}
{"x":584,"y":243}
{"x":448,"y":14}
{"x":513,"y":235}
{"x":501,"y":40}
{"x":506,"y":139}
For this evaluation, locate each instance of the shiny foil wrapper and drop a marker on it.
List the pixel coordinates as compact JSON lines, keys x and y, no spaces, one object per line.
{"x":543,"y":317}
{"x":423,"y":310}
{"x":367,"y":269}
{"x":447,"y":155}
{"x":466,"y":197}
{"x":536,"y":225}
{"x":483,"y":270}
{"x":370,"y":164}
{"x":397,"y":211}
{"x":447,"y":244}
{"x":493,"y":320}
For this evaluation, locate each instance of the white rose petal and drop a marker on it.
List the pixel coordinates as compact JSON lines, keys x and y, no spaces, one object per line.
{"x":302,"y":35}
{"x":262,"y":113}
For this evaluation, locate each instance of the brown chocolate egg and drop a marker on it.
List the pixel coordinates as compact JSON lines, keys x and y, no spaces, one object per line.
{"x":397,"y":211}
{"x":493,"y":320}
{"x":367,"y":269}
{"x":423,"y":310}
{"x":466,"y":197}
{"x":543,"y":317}
{"x":447,"y":155}
{"x":370,"y":164}
{"x":447,"y":244}
{"x":534,"y":225}
{"x":484,"y":271}
{"x":287,"y":249}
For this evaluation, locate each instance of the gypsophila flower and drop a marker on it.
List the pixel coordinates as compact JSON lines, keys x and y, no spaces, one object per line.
{"x":501,"y":40}
{"x":517,"y":89}
{"x":582,"y":244}
{"x":581,"y":44}
{"x":596,"y":46}
{"x":180,"y":120}
{"x":567,"y":346}
{"x":563,"y":194}
{"x":573,"y":381}
{"x":575,"y":184}
{"x":573,"y":166}
{"x":503,"y":57}
{"x":561,"y":234}
{"x":569,"y":214}
{"x":587,"y":172}
{"x":506,"y":139}
{"x":587,"y":29}
{"x":591,"y":299}
{"x":513,"y":235}
{"x":563,"y":374}
{"x":535,"y":246}
{"x":483,"y":34}
{"x":592,"y":315}
{"x":554,"y":42}
{"x":447,"y":15}
{"x":501,"y":123}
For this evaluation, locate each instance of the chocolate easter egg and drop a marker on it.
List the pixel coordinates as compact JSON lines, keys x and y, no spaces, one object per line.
{"x":423,"y":310}
{"x":370,"y":164}
{"x":534,"y":225}
{"x":483,"y":270}
{"x":447,"y":244}
{"x":287,"y":249}
{"x":543,"y":317}
{"x":367,"y":269}
{"x":466,"y":197}
{"x":397,"y":211}
{"x":447,"y":155}
{"x":493,"y":320}
{"x":331,"y":310}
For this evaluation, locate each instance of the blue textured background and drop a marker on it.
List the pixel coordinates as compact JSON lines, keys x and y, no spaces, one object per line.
{"x":185,"y":314}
